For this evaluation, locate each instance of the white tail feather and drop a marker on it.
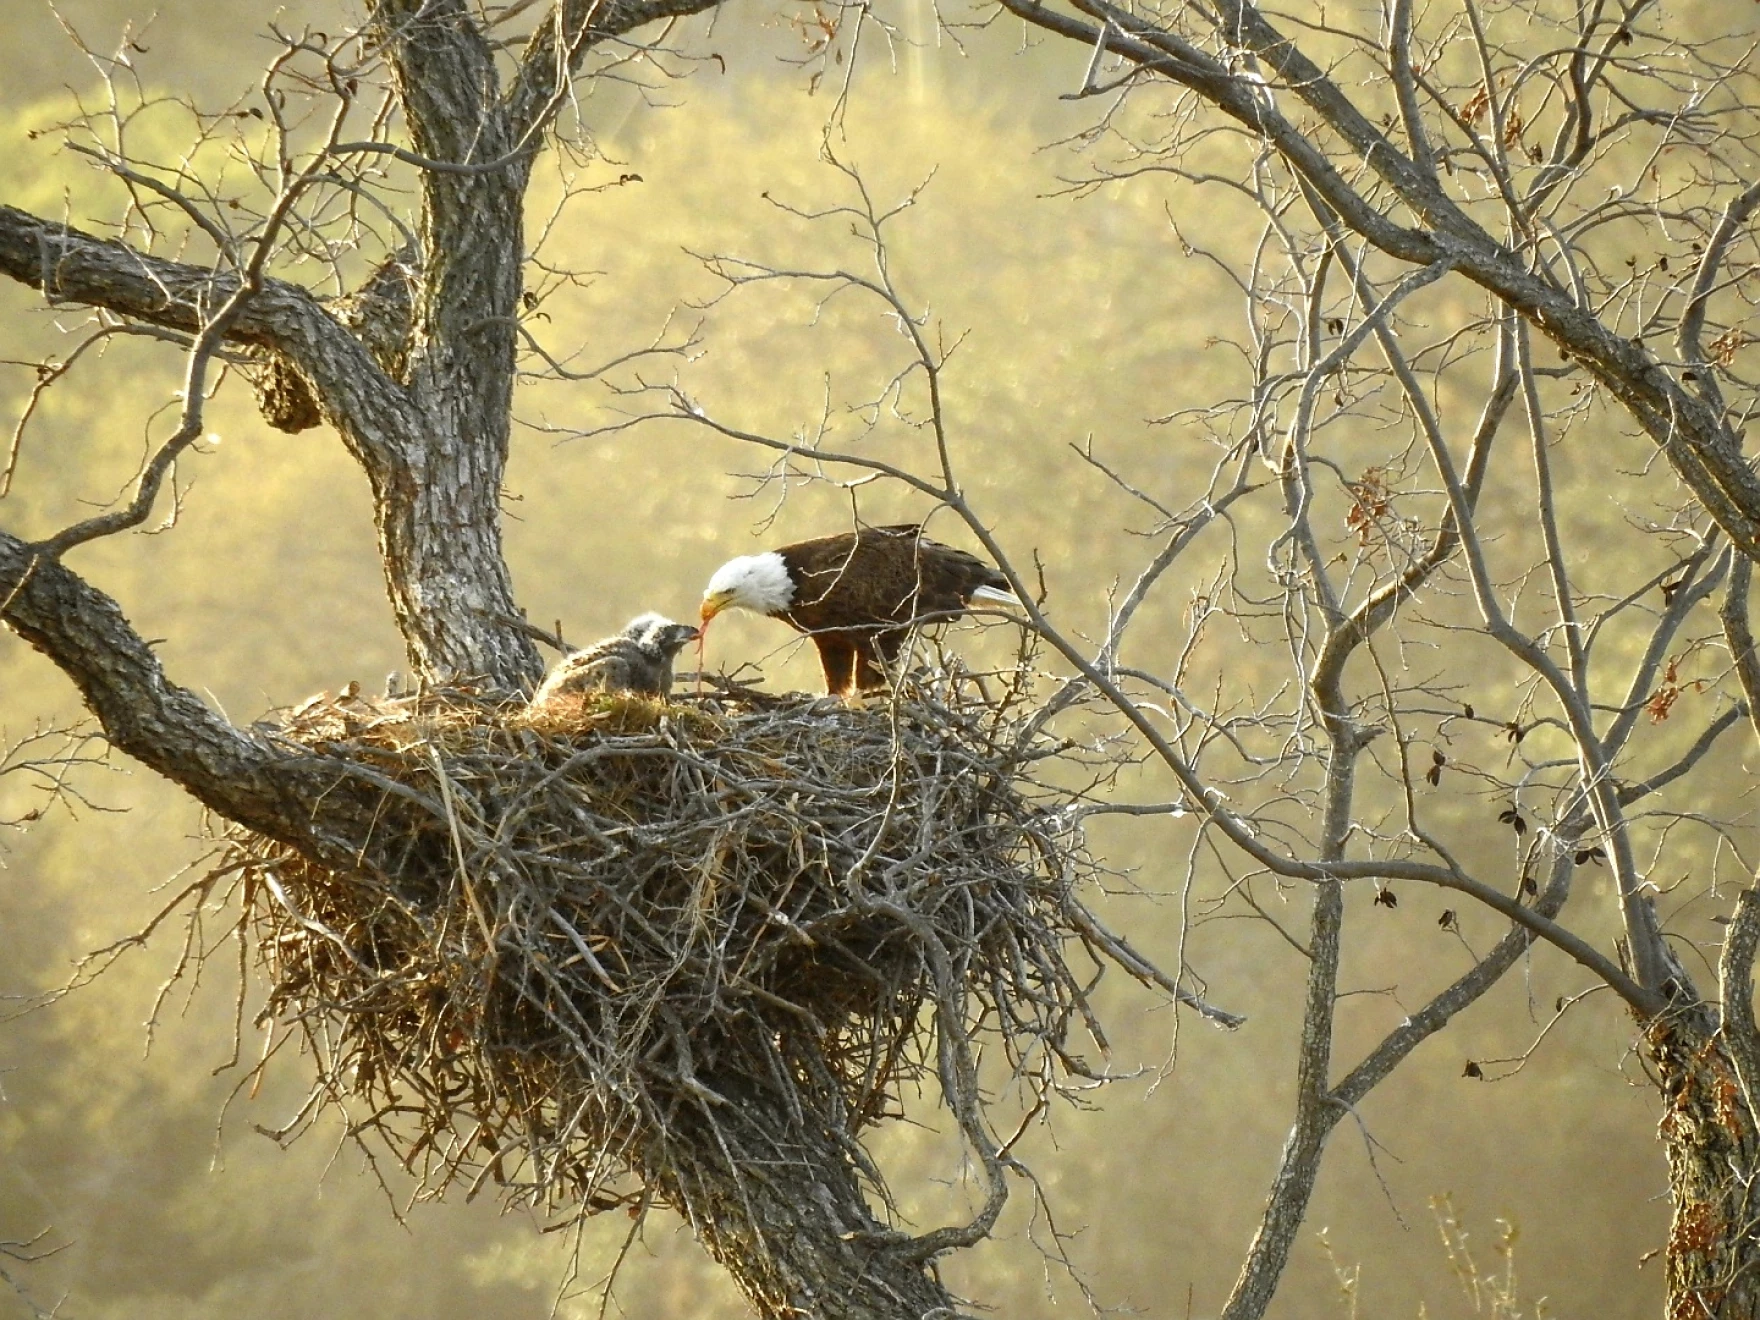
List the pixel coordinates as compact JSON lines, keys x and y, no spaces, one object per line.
{"x":999,"y":595}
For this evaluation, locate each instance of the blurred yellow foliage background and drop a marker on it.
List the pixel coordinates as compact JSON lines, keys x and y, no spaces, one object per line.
{"x":1083,"y":319}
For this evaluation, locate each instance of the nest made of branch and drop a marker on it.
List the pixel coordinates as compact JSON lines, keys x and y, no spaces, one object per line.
{"x":574,"y":919}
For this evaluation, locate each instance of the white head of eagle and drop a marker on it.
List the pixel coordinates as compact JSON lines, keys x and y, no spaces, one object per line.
{"x":759,"y":583}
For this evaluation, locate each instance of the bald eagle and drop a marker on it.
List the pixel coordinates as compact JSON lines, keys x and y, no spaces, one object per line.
{"x":857,"y":594}
{"x":638,"y":659}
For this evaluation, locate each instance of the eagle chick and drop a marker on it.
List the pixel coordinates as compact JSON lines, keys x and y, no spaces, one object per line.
{"x":638,"y":659}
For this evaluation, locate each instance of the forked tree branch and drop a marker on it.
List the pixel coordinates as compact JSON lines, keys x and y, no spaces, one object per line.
{"x":168,"y":728}
{"x":1684,"y":424}
{"x":573,"y":30}
{"x":68,"y":265}
{"x":1299,"y":1165}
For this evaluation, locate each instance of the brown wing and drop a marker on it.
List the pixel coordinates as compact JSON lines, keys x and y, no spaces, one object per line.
{"x":867,"y":587}
{"x":950,"y":577}
{"x":936,"y":579}
{"x":864,"y":579}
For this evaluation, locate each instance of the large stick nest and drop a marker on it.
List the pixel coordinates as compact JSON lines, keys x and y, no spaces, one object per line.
{"x":573,"y":920}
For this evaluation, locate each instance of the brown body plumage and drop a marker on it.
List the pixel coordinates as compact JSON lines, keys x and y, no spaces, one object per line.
{"x":857,"y":594}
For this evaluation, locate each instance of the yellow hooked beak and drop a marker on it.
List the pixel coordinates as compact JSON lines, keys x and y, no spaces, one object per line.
{"x":714,"y":603}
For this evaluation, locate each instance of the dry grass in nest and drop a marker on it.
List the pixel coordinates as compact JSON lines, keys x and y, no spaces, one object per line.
{"x":574,"y":920}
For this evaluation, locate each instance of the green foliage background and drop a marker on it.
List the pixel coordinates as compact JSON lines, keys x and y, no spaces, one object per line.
{"x":1084,"y":319}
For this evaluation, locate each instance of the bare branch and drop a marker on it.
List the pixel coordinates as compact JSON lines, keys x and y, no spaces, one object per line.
{"x":166,"y":727}
{"x":68,"y":265}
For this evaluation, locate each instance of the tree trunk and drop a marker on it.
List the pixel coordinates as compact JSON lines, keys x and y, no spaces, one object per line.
{"x":1708,"y":1071}
{"x":775,"y":1197}
{"x":1713,"y":1156}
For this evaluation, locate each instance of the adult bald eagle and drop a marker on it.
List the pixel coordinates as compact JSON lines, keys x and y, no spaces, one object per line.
{"x":857,"y":594}
{"x":638,"y":659}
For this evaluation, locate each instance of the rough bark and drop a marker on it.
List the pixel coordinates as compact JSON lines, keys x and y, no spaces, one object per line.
{"x":1709,"y":1070}
{"x":775,"y":1198}
{"x":68,"y":265}
{"x":1713,"y":1252}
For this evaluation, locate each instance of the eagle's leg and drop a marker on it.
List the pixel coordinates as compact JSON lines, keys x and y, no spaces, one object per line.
{"x":837,"y":657}
{"x":871,"y":670}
